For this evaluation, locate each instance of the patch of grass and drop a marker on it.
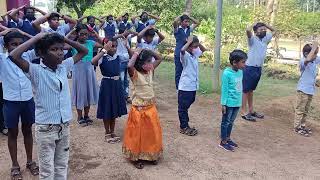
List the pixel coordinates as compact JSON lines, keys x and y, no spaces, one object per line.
{"x":268,"y":87}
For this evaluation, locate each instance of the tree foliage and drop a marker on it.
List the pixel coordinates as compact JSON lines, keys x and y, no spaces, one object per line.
{"x":79,"y":6}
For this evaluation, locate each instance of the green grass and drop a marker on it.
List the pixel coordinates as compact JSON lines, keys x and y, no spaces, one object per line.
{"x":268,"y":87}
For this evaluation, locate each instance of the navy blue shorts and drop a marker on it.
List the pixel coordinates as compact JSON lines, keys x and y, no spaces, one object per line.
{"x":251,"y":78}
{"x":12,"y":110}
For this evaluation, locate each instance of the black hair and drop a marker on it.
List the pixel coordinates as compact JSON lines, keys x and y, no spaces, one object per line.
{"x":81,"y":26}
{"x":144,"y":12}
{"x":53,"y":15}
{"x":48,"y":40}
{"x":237,"y":55}
{"x":122,"y":29}
{"x":89,"y":17}
{"x":306,"y":49}
{"x":126,"y":14}
{"x":25,"y":12}
{"x":109,"y":16}
{"x":184,"y":17}
{"x":144,"y":55}
{"x":11,"y":35}
{"x":259,"y":24}
{"x":150,"y":32}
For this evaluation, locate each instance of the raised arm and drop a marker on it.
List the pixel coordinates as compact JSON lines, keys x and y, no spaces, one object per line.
{"x":81,"y":19}
{"x":36,"y":24}
{"x":312,"y":55}
{"x":82,"y":51}
{"x":39,"y":10}
{"x":132,"y":62}
{"x":5,"y":17}
{"x":102,"y":21}
{"x":249,"y":30}
{"x":202,"y":48}
{"x":273,"y":31}
{"x":185,"y":47}
{"x":153,"y":16}
{"x":106,"y":48}
{"x":71,"y":22}
{"x":14,"y":12}
{"x":195,"y":23}
{"x":17,"y":52}
{"x":176,"y":22}
{"x":70,"y":33}
{"x":158,"y":59}
{"x":133,"y":19}
{"x":141,"y":33}
{"x":161,"y":36}
{"x":2,"y":27}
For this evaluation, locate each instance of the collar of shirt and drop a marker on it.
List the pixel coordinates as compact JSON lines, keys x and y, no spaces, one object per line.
{"x":184,"y":29}
{"x":111,"y":58}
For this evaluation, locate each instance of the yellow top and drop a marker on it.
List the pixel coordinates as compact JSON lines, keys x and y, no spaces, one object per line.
{"x":142,"y":89}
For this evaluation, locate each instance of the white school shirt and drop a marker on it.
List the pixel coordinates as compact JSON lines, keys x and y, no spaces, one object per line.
{"x":62,"y":29}
{"x":51,"y":92}
{"x":122,"y":50}
{"x":152,"y":46}
{"x":189,"y":80}
{"x":16,"y":86}
{"x":257,"y":50}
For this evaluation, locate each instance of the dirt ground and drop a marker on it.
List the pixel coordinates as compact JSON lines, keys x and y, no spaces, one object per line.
{"x":268,"y":148}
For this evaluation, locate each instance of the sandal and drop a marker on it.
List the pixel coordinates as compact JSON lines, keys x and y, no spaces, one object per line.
{"x":138,"y":164}
{"x":109,"y":139}
{"x":302,"y":132}
{"x":308,"y":130}
{"x":16,"y":173}
{"x":115,"y":137}
{"x":88,"y":120}
{"x":189,"y":131}
{"x":249,"y":117}
{"x":33,"y":168}
{"x":257,"y":115}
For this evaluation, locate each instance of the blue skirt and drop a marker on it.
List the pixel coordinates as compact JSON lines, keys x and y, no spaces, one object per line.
{"x":111,"y":102}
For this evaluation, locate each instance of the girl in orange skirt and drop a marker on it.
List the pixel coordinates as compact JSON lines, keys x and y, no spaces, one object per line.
{"x":143,"y":134}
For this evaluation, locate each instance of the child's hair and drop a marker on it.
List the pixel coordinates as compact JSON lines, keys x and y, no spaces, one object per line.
{"x":194,"y":40}
{"x":306,"y":49}
{"x":143,"y":13}
{"x":48,"y":40}
{"x":144,"y":55}
{"x":109,"y":16}
{"x":11,"y":35}
{"x":81,"y":26}
{"x":184,"y":17}
{"x":126,"y":14}
{"x":237,"y":55}
{"x":150,"y":32}
{"x":259,"y":24}
{"x":89,"y":17}
{"x":53,"y":15}
{"x":26,"y":8}
{"x":122,"y":29}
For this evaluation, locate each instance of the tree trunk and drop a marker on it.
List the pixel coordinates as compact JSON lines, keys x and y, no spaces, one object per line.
{"x":77,"y":9}
{"x":270,"y":7}
{"x":217,"y":48}
{"x":272,"y":23}
{"x":188,"y":7}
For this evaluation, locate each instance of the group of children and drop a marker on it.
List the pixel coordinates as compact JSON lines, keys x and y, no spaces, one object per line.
{"x":34,"y":75}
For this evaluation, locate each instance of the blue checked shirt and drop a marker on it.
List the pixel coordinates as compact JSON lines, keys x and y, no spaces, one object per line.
{"x":51,"y":92}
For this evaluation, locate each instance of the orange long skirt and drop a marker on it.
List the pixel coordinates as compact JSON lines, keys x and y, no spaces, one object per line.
{"x":143,"y":134}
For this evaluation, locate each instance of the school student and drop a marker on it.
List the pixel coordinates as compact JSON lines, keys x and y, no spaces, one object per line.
{"x":123,"y":22}
{"x":258,"y":43}
{"x":306,"y":87}
{"x":147,"y":38}
{"x":231,"y":96}
{"x":123,"y":49}
{"x":12,"y":20}
{"x":5,"y":18}
{"x":84,"y":83}
{"x":182,"y":30}
{"x":18,"y":104}
{"x":111,"y":103}
{"x":143,"y":133}
{"x":143,"y":21}
{"x":25,"y":24}
{"x":52,"y":100}
{"x":93,"y":28}
{"x":54,"y":24}
{"x":189,"y":82}
{"x":110,"y":27}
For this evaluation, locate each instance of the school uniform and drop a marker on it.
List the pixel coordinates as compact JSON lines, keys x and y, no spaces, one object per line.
{"x":110,"y":30}
{"x":151,"y":46}
{"x":63,"y":29}
{"x":28,"y":28}
{"x":139,"y":25}
{"x":306,"y":89}
{"x":13,"y":24}
{"x":1,"y":44}
{"x":188,"y":85}
{"x":256,"y":56}
{"x":125,"y":25}
{"x":53,"y":114}
{"x":111,"y":103}
{"x":17,"y":94}
{"x":181,"y":35}
{"x":124,"y":59}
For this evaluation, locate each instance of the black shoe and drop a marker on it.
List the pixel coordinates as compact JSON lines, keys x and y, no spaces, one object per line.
{"x":249,"y":117}
{"x":82,"y":122}
{"x":88,"y":120}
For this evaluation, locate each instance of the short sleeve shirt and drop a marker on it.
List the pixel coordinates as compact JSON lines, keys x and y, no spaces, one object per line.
{"x":257,"y":50}
{"x":89,"y":44}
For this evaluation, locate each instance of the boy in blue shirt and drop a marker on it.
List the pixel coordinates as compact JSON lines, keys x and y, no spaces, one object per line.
{"x":182,"y":30}
{"x":306,"y":86}
{"x":189,"y":82}
{"x":231,"y":96}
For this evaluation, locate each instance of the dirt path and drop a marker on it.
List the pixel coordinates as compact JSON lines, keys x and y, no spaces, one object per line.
{"x":268,"y":148}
